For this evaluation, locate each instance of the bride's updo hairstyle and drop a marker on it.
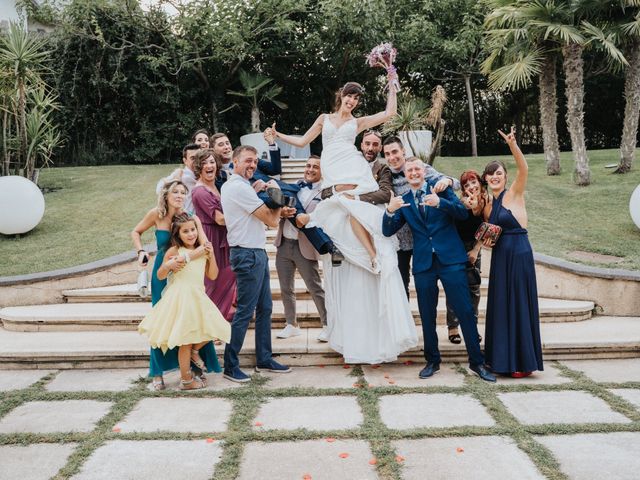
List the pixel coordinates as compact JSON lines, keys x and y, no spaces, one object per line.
{"x":348,"y":89}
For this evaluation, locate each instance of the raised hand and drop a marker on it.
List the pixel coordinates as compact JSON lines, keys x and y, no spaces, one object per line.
{"x":510,"y":138}
{"x":470,"y":202}
{"x":432,"y":199}
{"x":395,"y":203}
{"x":208,"y":249}
{"x":270,"y":134}
{"x":442,"y":185}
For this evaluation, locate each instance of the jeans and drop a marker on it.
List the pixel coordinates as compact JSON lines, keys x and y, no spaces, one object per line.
{"x":251,"y":266}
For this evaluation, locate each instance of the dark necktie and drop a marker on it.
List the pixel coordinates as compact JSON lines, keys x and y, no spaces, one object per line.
{"x":397,"y":174}
{"x":421,"y":207}
{"x":304,"y":184}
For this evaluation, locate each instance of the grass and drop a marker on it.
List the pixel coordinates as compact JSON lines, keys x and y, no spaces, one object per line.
{"x":247,"y":401}
{"x":90,"y":212}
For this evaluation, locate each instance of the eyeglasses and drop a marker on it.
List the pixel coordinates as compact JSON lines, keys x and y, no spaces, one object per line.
{"x":371,"y":131}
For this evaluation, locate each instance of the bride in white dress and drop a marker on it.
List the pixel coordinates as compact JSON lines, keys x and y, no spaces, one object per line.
{"x":368,"y":315}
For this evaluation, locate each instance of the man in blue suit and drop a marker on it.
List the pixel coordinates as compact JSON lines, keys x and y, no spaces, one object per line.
{"x":438,"y":254}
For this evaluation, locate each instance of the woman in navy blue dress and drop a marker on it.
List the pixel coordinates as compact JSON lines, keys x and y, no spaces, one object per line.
{"x":512,"y":335}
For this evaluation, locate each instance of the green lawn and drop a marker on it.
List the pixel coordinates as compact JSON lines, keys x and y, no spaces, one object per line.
{"x":91,"y":210}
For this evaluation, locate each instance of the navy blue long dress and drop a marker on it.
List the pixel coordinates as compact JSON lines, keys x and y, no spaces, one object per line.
{"x":512,"y":336}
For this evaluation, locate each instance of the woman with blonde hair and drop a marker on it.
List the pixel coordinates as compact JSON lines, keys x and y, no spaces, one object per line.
{"x":170,"y":203}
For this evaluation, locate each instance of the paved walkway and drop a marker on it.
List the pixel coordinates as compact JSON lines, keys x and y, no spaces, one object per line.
{"x":576,"y":420}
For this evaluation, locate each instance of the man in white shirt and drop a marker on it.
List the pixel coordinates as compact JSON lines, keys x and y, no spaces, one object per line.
{"x":185,"y":174}
{"x":295,"y":251}
{"x":245,"y":217}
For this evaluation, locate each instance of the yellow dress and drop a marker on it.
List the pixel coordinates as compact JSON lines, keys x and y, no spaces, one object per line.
{"x":185,"y":314}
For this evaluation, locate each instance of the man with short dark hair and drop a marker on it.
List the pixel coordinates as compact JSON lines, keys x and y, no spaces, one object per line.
{"x":370,"y":147}
{"x":245,"y":217}
{"x":395,"y":155}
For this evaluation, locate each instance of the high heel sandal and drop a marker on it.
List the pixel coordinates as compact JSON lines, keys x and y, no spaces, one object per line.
{"x":196,"y":359}
{"x":158,"y":384}
{"x":189,"y":384}
{"x":375,"y":266}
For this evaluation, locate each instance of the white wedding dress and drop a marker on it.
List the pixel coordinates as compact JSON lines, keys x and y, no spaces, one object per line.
{"x":368,"y":315}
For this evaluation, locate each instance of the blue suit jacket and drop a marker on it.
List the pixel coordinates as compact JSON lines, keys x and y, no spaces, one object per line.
{"x":435,"y":233}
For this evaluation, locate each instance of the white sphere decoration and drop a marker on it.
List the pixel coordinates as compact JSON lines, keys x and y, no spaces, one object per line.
{"x":21,"y":205}
{"x":634,"y":206}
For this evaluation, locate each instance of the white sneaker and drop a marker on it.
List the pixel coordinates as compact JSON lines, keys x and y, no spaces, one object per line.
{"x":289,"y":331}
{"x":324,"y":335}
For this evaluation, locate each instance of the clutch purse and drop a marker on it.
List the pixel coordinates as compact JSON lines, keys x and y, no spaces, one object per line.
{"x":488,"y":231}
{"x":143,"y":283}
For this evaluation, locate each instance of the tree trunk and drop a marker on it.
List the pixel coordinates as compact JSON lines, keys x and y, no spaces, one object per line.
{"x":631,"y":110}
{"x":22,"y":111}
{"x":214,"y":116}
{"x":255,"y":119}
{"x":5,"y":152}
{"x":472,"y":116}
{"x":435,"y":145}
{"x":549,"y":116}
{"x":574,"y":79}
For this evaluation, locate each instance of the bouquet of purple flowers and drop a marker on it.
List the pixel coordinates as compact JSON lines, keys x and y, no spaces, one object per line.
{"x":383,"y":56}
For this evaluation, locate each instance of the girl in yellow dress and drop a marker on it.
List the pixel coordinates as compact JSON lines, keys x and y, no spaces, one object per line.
{"x":185,"y":316}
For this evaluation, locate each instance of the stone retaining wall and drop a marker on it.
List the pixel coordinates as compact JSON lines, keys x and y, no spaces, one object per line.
{"x":615,"y":292}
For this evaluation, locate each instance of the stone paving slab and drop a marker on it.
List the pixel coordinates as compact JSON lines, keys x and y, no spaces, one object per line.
{"x":594,"y":456}
{"x":19,"y":379}
{"x":442,"y":410}
{"x":215,"y":382}
{"x":311,"y":377}
{"x":477,"y":458}
{"x":615,"y":371}
{"x":629,"y":394}
{"x":550,"y":376}
{"x":152,"y":459}
{"x":116,"y":380}
{"x":178,"y":415}
{"x":39,"y":461}
{"x":55,"y":416}
{"x":394,"y":375}
{"x":535,"y":408}
{"x":310,"y":459}
{"x":312,"y":413}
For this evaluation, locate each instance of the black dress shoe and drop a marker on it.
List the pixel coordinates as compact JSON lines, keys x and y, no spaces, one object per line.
{"x":336,"y":257}
{"x":483,"y":373}
{"x":276,"y":196}
{"x":429,"y":370}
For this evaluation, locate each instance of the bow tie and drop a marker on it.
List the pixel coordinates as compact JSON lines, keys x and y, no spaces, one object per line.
{"x":303,"y":184}
{"x":398,"y":174}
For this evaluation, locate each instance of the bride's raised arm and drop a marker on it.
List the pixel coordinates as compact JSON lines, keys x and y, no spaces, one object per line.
{"x":372,"y":121}
{"x":307,"y":138}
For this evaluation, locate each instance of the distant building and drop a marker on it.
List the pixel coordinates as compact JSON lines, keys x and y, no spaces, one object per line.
{"x":9,"y":13}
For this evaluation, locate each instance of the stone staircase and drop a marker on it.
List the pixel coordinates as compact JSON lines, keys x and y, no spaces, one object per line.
{"x":95,"y":327}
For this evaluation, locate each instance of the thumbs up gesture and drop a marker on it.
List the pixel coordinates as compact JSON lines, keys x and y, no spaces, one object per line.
{"x":431,"y":199}
{"x":395,"y":203}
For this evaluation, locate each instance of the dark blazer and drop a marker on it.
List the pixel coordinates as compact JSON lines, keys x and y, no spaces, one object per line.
{"x":436,"y":233}
{"x":265,"y":168}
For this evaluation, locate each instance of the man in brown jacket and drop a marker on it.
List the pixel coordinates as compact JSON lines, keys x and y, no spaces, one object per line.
{"x":371,"y":147}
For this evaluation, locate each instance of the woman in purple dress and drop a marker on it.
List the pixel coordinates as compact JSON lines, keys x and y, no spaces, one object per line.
{"x":206,"y":202}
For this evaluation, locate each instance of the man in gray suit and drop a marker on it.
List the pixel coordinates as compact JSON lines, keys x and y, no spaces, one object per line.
{"x":296,"y":252}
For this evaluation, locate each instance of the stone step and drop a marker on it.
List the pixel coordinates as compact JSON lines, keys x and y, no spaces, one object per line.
{"x":129,"y":292}
{"x":125,"y":316}
{"x":598,"y":337}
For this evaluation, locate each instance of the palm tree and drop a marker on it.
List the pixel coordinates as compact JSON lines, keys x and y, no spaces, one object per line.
{"x":24,"y":54}
{"x":255,"y":94}
{"x":518,"y":53}
{"x":539,"y":29}
{"x":630,"y":36}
